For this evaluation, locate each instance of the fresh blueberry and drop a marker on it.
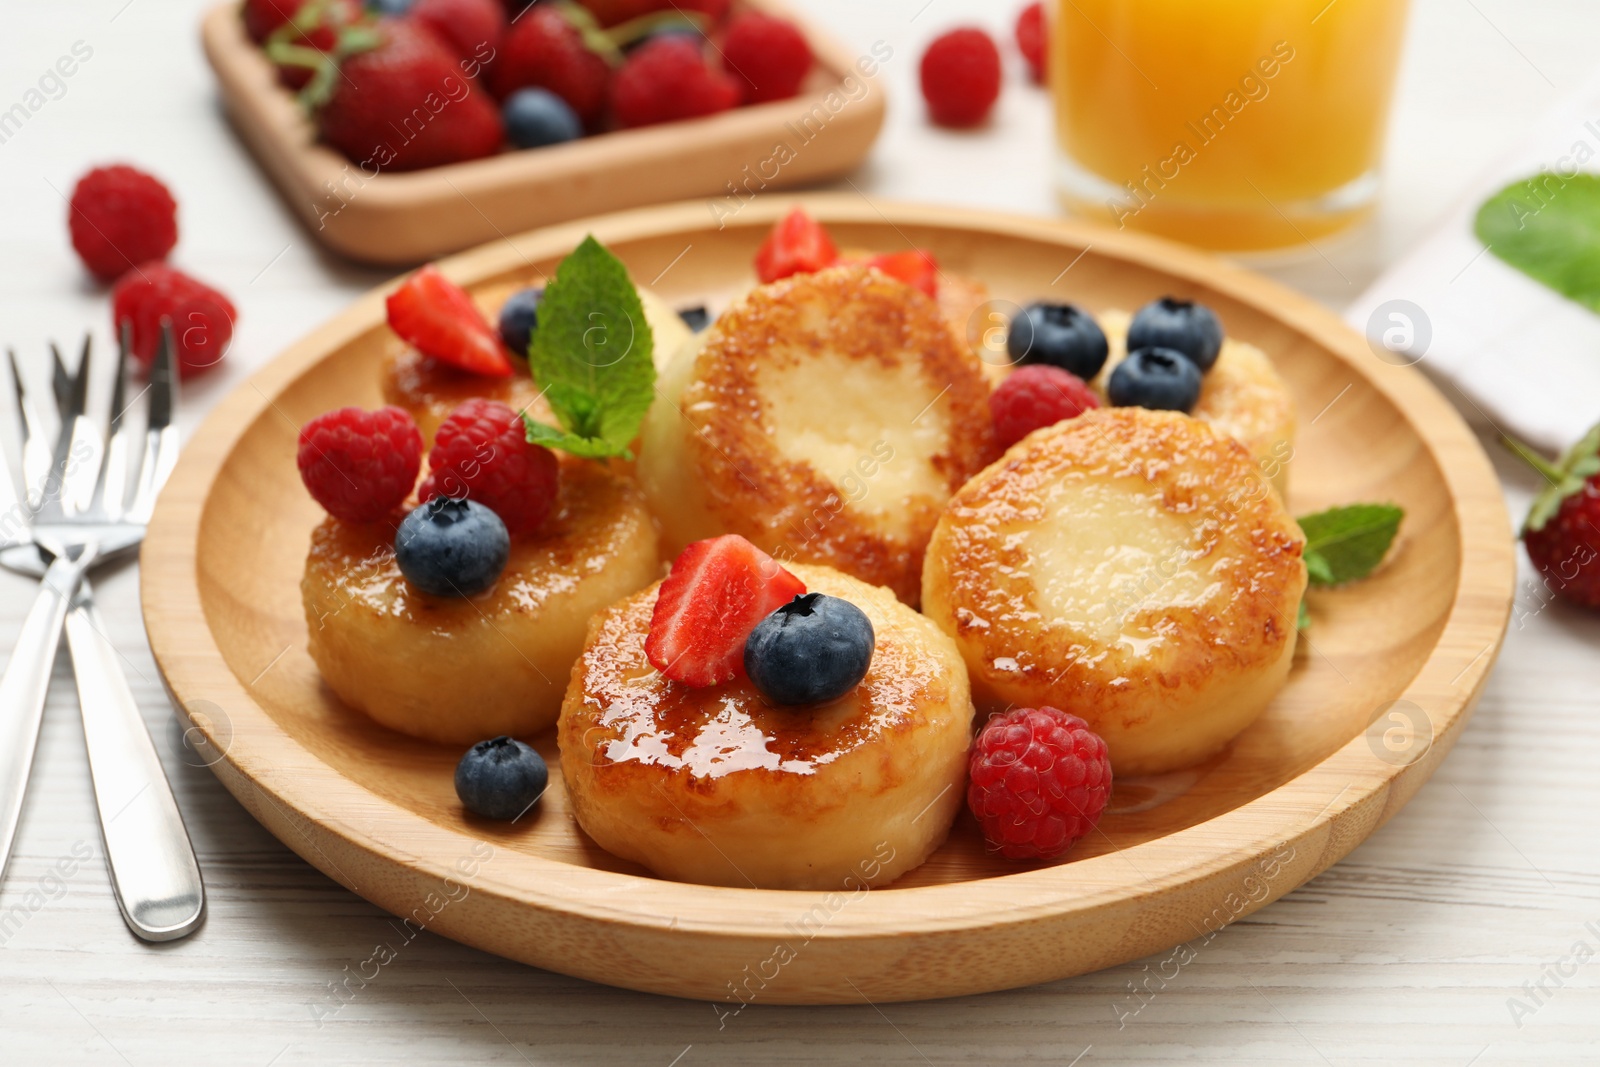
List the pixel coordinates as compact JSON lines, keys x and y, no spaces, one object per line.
{"x":389,"y":8}
{"x":519,"y":317}
{"x":501,"y":778}
{"x":450,"y":547}
{"x":813,"y":649}
{"x":1156,"y":378}
{"x":1060,"y":335}
{"x":1181,"y":325}
{"x":696,"y":318}
{"x":537,"y":117}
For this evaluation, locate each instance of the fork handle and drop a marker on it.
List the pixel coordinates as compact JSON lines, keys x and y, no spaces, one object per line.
{"x":154,"y":873}
{"x":22,"y":691}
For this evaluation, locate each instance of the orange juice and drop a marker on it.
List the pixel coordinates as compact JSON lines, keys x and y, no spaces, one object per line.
{"x":1233,"y":124}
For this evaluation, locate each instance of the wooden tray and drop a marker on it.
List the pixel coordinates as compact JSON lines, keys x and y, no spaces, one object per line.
{"x":408,"y":217}
{"x":1330,"y":760}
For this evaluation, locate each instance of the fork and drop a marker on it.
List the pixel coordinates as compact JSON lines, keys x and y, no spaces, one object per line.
{"x":83,"y":513}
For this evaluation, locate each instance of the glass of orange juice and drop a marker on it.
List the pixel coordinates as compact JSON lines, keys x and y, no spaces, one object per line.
{"x":1238,"y":125}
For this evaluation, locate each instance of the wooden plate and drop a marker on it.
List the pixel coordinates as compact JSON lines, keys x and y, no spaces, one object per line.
{"x":408,"y":217}
{"x":1371,"y":708}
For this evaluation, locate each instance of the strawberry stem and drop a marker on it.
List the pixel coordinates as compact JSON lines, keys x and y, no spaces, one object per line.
{"x":642,"y":26}
{"x":1548,"y":470}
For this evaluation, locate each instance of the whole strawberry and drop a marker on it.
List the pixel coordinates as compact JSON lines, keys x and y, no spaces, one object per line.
{"x":1562,"y":531}
{"x":405,"y":104}
{"x":313,"y":24}
{"x":545,"y":49}
{"x":471,"y":29}
{"x":666,"y":79}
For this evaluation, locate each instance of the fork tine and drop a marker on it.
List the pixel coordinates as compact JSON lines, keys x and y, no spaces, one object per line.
{"x":161,"y":436}
{"x":60,"y":380}
{"x":76,"y":463}
{"x":111,"y":487}
{"x":35,"y":452}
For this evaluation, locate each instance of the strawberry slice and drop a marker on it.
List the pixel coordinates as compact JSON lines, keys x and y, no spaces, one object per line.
{"x":916,"y":268}
{"x":437,"y":315}
{"x":709,"y":602}
{"x":797,"y":244}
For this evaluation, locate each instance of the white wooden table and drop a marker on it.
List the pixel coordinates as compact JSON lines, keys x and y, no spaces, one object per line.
{"x":1486,"y":888}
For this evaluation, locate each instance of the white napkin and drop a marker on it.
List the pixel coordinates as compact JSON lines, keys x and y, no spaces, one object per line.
{"x":1525,"y":356}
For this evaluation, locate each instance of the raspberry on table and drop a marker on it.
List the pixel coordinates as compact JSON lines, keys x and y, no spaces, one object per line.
{"x":482,"y":453}
{"x":1031,"y":39}
{"x":961,"y":77}
{"x":1036,"y":395}
{"x":1040,"y":779}
{"x":121,"y":217}
{"x":768,"y":56}
{"x":360,"y":465}
{"x":202,"y":318}
{"x":668,"y":78}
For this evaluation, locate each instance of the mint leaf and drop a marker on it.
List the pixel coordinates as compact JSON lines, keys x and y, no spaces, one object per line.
{"x":1548,"y":227}
{"x":591,"y":355}
{"x":1344,"y":544}
{"x":1303,"y":621}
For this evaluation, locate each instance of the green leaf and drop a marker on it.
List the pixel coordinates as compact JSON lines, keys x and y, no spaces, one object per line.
{"x":591,"y":355}
{"x":1548,"y":227}
{"x":1303,"y":622}
{"x":1563,"y":478}
{"x":587,"y":447}
{"x":1344,"y":544}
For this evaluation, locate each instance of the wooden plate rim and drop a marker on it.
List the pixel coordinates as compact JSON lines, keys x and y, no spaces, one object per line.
{"x":261,"y":752}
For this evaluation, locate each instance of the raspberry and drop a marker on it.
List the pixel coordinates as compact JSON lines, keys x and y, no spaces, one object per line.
{"x":544,"y":50}
{"x":360,"y":465}
{"x":482,"y":453}
{"x":201,"y":317}
{"x":1030,"y":39}
{"x":961,"y":77}
{"x":119,"y":217}
{"x":1039,"y":780}
{"x":668,"y":78}
{"x":1037,"y":395}
{"x":768,"y":56}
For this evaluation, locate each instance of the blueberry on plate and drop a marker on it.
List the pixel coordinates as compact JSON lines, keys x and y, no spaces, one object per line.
{"x":1158,"y":378}
{"x":1181,"y":325}
{"x":696,"y":318}
{"x":537,"y":117}
{"x":813,"y":649}
{"x":1060,"y":335}
{"x":389,"y":8}
{"x":501,"y":778}
{"x":450,"y":547}
{"x":519,"y":317}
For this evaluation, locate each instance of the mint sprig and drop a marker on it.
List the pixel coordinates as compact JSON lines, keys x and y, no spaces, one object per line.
{"x":591,"y":355}
{"x":1346,"y":544}
{"x":1548,"y":227}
